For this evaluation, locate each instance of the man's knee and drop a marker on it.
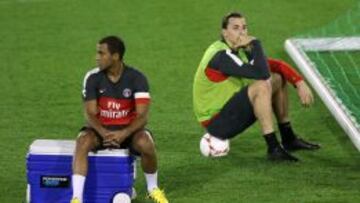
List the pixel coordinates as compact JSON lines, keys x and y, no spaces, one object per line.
{"x":277,"y":81}
{"x":143,"y":143}
{"x":260,"y":88}
{"x":86,"y":141}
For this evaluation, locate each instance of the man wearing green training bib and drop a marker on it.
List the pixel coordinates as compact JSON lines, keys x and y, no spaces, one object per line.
{"x":233,"y":88}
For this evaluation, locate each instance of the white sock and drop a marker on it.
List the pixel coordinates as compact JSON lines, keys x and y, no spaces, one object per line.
{"x":78,"y":182}
{"x":151,"y":181}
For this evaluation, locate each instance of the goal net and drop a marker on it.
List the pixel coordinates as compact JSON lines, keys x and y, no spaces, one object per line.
{"x":329,"y":57}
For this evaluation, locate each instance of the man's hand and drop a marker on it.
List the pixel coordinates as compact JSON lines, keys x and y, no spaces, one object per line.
{"x":304,"y":93}
{"x":244,"y":40}
{"x":115,"y":138}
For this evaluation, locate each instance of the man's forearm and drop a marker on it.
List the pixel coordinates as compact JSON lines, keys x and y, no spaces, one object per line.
{"x":95,"y":123}
{"x":260,"y":62}
{"x":285,"y":70}
{"x":138,"y":123}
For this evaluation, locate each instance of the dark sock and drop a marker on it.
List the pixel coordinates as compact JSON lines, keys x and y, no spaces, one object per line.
{"x":271,"y":141}
{"x":286,"y":132}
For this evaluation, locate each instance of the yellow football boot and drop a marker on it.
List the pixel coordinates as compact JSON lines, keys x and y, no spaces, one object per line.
{"x":75,"y":200}
{"x":158,"y":196}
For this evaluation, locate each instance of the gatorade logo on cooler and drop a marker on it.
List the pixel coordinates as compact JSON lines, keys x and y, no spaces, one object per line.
{"x":54,"y":181}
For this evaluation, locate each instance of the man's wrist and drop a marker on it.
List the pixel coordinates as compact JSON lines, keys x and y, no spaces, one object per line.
{"x":126,"y":131}
{"x":298,"y":83}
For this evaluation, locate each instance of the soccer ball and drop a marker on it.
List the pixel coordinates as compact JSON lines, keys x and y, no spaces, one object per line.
{"x":214,"y":147}
{"x":121,"y":198}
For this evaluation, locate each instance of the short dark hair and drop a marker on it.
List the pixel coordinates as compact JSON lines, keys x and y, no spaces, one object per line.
{"x":115,"y":45}
{"x":225,"y":20}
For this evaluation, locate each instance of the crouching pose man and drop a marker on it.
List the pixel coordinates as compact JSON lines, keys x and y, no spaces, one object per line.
{"x":236,"y":85}
{"x":116,"y":104}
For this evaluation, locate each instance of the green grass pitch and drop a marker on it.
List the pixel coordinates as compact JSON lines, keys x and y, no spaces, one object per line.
{"x":46,"y":46}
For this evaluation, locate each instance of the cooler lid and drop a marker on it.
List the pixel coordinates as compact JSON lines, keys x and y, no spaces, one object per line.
{"x":66,"y":147}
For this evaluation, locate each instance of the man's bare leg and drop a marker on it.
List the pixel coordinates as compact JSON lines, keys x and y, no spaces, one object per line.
{"x":260,"y":97}
{"x":143,"y":143}
{"x":85,"y":142}
{"x":260,"y":94}
{"x":280,"y":103}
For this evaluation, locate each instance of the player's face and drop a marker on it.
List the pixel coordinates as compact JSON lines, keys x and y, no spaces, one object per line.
{"x":104,"y":58}
{"x":236,"y":27}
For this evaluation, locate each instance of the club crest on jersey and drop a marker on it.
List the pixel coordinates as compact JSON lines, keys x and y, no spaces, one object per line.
{"x":127,"y":92}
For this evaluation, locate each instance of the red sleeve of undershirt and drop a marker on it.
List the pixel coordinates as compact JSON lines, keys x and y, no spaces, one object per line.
{"x":285,"y":70}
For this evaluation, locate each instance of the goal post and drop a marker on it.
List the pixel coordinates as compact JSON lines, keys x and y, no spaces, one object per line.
{"x":329,"y":57}
{"x":299,"y":49}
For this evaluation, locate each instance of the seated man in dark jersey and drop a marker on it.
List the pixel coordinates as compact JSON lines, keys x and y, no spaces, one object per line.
{"x":116,"y":104}
{"x":235,"y":85}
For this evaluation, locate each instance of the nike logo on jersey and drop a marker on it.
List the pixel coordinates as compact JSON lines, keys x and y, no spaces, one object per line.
{"x":102,"y":91}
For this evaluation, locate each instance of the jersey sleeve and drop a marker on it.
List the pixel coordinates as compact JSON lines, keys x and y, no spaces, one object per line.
{"x":89,"y":88}
{"x":230,"y":64}
{"x":142,"y":94}
{"x":285,"y":70}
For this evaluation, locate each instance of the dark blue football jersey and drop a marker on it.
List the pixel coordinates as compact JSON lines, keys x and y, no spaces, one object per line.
{"x":116,"y":101}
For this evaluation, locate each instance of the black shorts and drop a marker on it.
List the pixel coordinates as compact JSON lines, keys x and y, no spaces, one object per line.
{"x":235,"y":117}
{"x":126,"y":144}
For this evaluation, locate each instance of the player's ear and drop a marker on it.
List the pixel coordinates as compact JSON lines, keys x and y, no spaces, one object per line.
{"x":116,"y":56}
{"x":223,"y":33}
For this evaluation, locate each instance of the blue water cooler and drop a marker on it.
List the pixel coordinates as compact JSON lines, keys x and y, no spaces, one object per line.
{"x":111,"y":172}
